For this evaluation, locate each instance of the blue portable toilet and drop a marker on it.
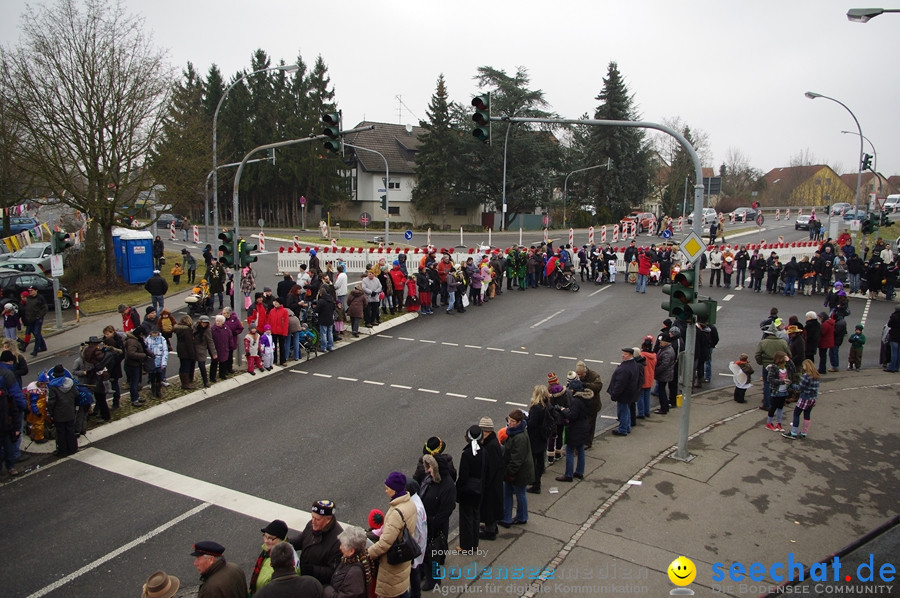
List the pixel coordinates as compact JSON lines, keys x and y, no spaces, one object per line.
{"x":134,"y":254}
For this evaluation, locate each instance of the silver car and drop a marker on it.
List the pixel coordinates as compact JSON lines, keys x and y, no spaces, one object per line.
{"x":36,"y":254}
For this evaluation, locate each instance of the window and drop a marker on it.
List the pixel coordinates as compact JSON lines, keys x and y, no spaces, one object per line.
{"x":394,"y":185}
{"x":394,"y":210}
{"x":460,"y":211}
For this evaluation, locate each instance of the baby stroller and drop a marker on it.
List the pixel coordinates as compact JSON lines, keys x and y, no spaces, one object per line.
{"x":198,"y":301}
{"x":309,"y":341}
{"x":309,"y":317}
{"x":565,"y":279}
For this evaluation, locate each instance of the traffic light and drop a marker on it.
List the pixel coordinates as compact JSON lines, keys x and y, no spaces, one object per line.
{"x":332,"y":130}
{"x":482,"y":117}
{"x":705,"y":310}
{"x":61,"y":241}
{"x":681,"y":295}
{"x":383,"y":202}
{"x":867,"y":162}
{"x":244,"y":250}
{"x":226,"y":248}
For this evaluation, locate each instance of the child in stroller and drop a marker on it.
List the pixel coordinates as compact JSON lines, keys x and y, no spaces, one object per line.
{"x":199,"y":300}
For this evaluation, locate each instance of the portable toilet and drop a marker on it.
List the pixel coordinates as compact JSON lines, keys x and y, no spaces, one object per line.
{"x":134,"y":254}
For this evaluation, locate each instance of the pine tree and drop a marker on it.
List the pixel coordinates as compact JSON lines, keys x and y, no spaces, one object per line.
{"x":435,"y":164}
{"x":627,"y":182}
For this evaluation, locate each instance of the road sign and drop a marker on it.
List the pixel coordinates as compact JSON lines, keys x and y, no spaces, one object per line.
{"x":302,"y":200}
{"x":407,"y":235}
{"x":760,"y":220}
{"x":692,"y":247}
{"x":382,"y":190}
{"x":667,"y":234}
{"x":261,"y":222}
{"x":365,"y":219}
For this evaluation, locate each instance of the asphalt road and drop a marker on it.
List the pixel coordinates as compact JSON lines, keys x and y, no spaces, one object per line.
{"x":330,"y":428}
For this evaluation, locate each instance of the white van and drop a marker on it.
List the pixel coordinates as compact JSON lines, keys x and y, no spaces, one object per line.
{"x":892,"y":203}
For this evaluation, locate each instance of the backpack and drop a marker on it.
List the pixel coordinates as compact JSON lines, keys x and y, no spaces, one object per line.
{"x":552,"y":419}
{"x":85,"y":395}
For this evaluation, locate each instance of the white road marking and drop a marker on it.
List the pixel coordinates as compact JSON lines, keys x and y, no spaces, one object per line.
{"x":542,"y":355}
{"x":346,"y":379}
{"x":520,"y":352}
{"x":592,"y":360}
{"x":516,"y":404}
{"x":453,"y":394}
{"x":401,"y":386}
{"x":298,"y":371}
{"x":121,"y":549}
{"x":375,"y":382}
{"x":485,"y":399}
{"x":598,"y":291}
{"x":471,"y":346}
{"x":321,"y":375}
{"x":547,"y":319}
{"x":384,"y":335}
{"x":496,"y":349}
{"x":728,"y":297}
{"x":566,"y":357}
{"x":609,"y":417}
{"x":405,"y":338}
{"x":430,"y":390}
{"x":425,"y":340}
{"x":450,"y":344}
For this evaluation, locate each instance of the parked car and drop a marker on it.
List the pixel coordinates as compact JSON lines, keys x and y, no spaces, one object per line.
{"x":166,"y":220}
{"x":18,"y":224}
{"x":12,"y":283}
{"x":644,"y":220}
{"x":851,"y":214}
{"x":708,"y":215}
{"x":802,"y":222}
{"x":37,"y":254}
{"x":744,"y":215}
{"x":840,"y":208}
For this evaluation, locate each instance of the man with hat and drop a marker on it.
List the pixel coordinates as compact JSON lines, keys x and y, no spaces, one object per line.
{"x":664,"y":372}
{"x":33,"y":312}
{"x":797,"y":343}
{"x":624,"y":389}
{"x":157,"y":286}
{"x":591,"y":381}
{"x":218,"y":578}
{"x":160,"y":585}
{"x":150,"y":322}
{"x":318,"y":544}
{"x":492,"y":480}
{"x":62,"y":405}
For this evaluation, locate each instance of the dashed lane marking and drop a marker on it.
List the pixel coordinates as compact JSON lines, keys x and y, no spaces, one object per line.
{"x":346,"y":379}
{"x":459,"y":396}
{"x":485,"y":399}
{"x":547,"y":319}
{"x":519,"y":352}
{"x":403,"y":386}
{"x":516,"y":404}
{"x":375,"y":382}
{"x":450,"y":344}
{"x":429,"y":390}
{"x":405,"y":338}
{"x":472,"y":346}
{"x":599,"y":291}
{"x":425,"y":340}
{"x":496,"y":349}
{"x":542,"y":355}
{"x":321,"y":375}
{"x":728,"y":297}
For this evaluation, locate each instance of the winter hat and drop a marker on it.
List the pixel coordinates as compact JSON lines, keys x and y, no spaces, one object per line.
{"x":486,"y":424}
{"x":277,"y":528}
{"x":838,"y":285}
{"x":376,"y":519}
{"x":44,"y":378}
{"x":433,"y":446}
{"x":150,"y":310}
{"x":7,"y":356}
{"x":324,"y":507}
{"x":857,"y":327}
{"x":473,"y":433}
{"x":571,"y":375}
{"x":58,"y":371}
{"x":396,"y":481}
{"x":552,"y":379}
{"x":267,"y":327}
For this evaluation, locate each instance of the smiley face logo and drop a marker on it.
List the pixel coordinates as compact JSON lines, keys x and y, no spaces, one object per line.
{"x":682,"y":571}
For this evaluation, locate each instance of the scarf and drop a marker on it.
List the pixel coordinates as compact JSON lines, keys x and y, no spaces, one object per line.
{"x":360,"y":558}
{"x":257,"y":568}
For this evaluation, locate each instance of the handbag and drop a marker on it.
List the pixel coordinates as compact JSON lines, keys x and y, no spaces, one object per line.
{"x":405,"y":548}
{"x":465,"y":300}
{"x":149,"y":364}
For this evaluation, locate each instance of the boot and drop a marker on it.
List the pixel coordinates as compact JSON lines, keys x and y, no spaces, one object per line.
{"x":185,"y":381}
{"x":384,"y":310}
{"x":156,"y":389}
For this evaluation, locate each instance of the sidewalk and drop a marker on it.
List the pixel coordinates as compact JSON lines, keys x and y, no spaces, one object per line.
{"x":747,"y":496}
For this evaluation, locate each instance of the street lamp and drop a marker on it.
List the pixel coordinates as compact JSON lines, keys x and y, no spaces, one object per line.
{"x":812,"y":95}
{"x":291,"y":68}
{"x":863,"y":15}
{"x":566,"y":189}
{"x":874,"y":156}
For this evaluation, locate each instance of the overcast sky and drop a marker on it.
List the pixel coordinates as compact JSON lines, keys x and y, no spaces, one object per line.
{"x":736,"y":70}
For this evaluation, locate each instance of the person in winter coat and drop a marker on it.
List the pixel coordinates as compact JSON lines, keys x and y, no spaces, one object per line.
{"x":356,"y":306}
{"x":649,"y":357}
{"x":577,"y":428}
{"x":156,"y":346}
{"x":355,"y":572}
{"x":186,"y":351}
{"x":204,"y":346}
{"x":33,"y":312}
{"x":624,"y":388}
{"x":233,"y":324}
{"x":664,"y":372}
{"x":765,"y":355}
{"x":492,"y":480}
{"x":62,"y":403}
{"x":519,"y":469}
{"x":135,"y":355}
{"x":222,"y":338}
{"x":273,"y":534}
{"x":541,"y":425}
{"x":393,"y":580}
{"x":371,"y":288}
{"x":469,"y":486}
{"x":114,"y":342}
{"x":278,"y":319}
{"x":325,"y":308}
{"x":95,"y":360}
{"x":216,"y":279}
{"x":590,"y":380}
{"x":435,"y":447}
{"x":797,"y":344}
{"x":438,"y":494}
{"x":157,"y":286}
{"x":813,"y":331}
{"x":826,"y":341}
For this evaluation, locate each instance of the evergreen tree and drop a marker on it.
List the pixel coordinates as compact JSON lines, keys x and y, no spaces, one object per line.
{"x":627,"y":182}
{"x":436,"y":167}
{"x":681,"y":170}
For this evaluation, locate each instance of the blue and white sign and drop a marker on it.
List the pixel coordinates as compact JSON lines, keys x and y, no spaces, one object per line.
{"x":407,"y":235}
{"x":667,"y":234}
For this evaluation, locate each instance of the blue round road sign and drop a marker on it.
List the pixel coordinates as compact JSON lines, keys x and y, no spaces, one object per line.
{"x":667,"y":234}
{"x":407,"y":235}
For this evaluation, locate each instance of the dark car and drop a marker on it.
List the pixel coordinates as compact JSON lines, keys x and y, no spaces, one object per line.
{"x":12,"y":283}
{"x":744,"y":215}
{"x":166,"y":220}
{"x":18,"y":224}
{"x":802,"y":222}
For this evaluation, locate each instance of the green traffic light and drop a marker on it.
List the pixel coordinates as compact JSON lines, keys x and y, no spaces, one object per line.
{"x":226,"y":248}
{"x":482,"y":118}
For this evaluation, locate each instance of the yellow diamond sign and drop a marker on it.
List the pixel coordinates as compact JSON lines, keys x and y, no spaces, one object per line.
{"x":692,"y":247}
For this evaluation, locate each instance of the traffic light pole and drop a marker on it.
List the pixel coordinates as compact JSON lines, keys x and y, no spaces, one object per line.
{"x":387,"y":187}
{"x":237,"y":185}
{"x":690,"y":334}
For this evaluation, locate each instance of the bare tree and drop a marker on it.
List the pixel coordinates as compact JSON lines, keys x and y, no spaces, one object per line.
{"x":89,"y":91}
